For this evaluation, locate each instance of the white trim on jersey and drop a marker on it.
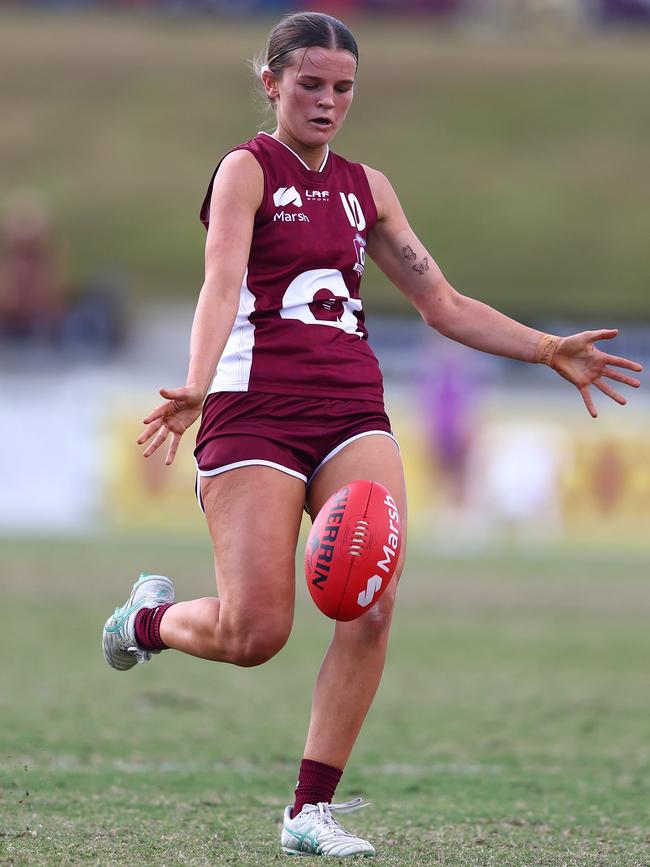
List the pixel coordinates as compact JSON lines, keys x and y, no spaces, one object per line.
{"x":347,"y":442}
{"x":323,"y":164}
{"x":234,"y":367}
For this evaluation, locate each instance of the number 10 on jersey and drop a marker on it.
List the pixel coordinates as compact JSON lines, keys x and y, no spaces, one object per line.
{"x":353,"y":211}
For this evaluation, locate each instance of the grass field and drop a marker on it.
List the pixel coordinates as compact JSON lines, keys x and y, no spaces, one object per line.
{"x":512,"y":727}
{"x":522,"y":163}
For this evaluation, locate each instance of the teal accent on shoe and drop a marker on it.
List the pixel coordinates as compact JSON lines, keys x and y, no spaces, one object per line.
{"x":161,"y":597}
{"x":312,"y":843}
{"x":124,"y":615}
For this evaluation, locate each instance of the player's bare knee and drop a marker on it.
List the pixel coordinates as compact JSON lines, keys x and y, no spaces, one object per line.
{"x":257,"y":651}
{"x":373,"y":628}
{"x":259,"y":645}
{"x":375,"y":624}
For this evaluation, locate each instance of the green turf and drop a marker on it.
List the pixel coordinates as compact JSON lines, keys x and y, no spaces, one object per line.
{"x":512,"y":726}
{"x":522,"y":163}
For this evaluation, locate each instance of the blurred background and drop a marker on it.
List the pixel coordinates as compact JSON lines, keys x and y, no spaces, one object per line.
{"x":516,"y":134}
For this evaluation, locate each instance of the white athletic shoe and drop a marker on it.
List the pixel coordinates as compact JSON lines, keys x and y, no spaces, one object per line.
{"x":118,"y":640}
{"x":315,"y":831}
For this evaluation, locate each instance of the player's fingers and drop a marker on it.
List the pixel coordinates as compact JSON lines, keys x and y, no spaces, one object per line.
{"x":156,"y":442}
{"x":591,"y":409}
{"x":149,"y":431}
{"x":158,"y":412}
{"x":601,"y":334}
{"x":624,"y":362}
{"x":609,"y":391}
{"x":173,"y":448}
{"x":167,"y":392}
{"x":620,"y":377}
{"x":177,"y":395}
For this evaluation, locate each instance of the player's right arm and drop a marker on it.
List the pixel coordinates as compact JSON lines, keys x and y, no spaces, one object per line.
{"x":237,"y":194}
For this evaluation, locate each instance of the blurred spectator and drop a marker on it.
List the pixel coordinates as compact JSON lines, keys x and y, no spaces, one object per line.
{"x":37,"y":307}
{"x":93,"y":323}
{"x":31,"y":291}
{"x":450,"y":386}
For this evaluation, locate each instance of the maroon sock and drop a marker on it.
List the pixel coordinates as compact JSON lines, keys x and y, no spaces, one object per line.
{"x":316,"y":782}
{"x":147,"y":627}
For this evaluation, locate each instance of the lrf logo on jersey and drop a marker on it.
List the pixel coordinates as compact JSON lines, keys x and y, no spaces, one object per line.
{"x":317,"y":195}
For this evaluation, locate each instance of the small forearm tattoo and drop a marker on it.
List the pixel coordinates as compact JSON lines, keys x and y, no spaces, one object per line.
{"x":423,"y":267}
{"x":408,"y":253}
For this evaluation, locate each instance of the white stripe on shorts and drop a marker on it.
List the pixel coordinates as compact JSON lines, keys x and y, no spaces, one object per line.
{"x":251,"y":463}
{"x":347,"y":442}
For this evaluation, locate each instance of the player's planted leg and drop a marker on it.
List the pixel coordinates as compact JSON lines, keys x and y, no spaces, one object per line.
{"x":354,"y":662}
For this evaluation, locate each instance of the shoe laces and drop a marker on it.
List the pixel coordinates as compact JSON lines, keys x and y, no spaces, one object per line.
{"x":325,"y":811}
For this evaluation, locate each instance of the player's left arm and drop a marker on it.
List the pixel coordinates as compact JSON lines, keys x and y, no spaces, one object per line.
{"x":399,"y":253}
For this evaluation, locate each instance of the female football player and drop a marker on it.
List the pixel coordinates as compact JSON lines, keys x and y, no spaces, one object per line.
{"x":291,"y":398}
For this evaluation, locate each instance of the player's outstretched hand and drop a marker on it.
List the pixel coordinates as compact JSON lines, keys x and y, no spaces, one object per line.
{"x":577,"y":360}
{"x":180,"y":410}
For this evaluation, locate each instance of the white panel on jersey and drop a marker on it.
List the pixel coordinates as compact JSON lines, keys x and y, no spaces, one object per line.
{"x":234,"y":368}
{"x":320,"y":297}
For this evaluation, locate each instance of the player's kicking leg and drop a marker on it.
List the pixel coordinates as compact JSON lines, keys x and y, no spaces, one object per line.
{"x":349,"y":675}
{"x":254,"y":515}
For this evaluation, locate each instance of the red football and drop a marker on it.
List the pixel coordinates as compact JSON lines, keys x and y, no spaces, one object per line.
{"x":352,"y":550}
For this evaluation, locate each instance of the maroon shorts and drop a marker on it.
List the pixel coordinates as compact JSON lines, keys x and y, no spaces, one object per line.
{"x":296,"y":435}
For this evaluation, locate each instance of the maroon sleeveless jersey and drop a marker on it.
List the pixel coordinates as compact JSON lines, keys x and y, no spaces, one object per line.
{"x":300,"y":325}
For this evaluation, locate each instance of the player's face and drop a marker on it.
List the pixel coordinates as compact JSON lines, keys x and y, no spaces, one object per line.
{"x":314,"y":95}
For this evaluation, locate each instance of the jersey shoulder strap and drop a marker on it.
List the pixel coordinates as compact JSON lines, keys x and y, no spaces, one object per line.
{"x":253,"y":146}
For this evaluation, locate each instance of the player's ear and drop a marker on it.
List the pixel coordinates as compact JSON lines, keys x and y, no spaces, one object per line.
{"x":270,"y":84}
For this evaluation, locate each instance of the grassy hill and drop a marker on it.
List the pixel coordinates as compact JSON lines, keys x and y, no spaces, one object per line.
{"x":523,"y":165}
